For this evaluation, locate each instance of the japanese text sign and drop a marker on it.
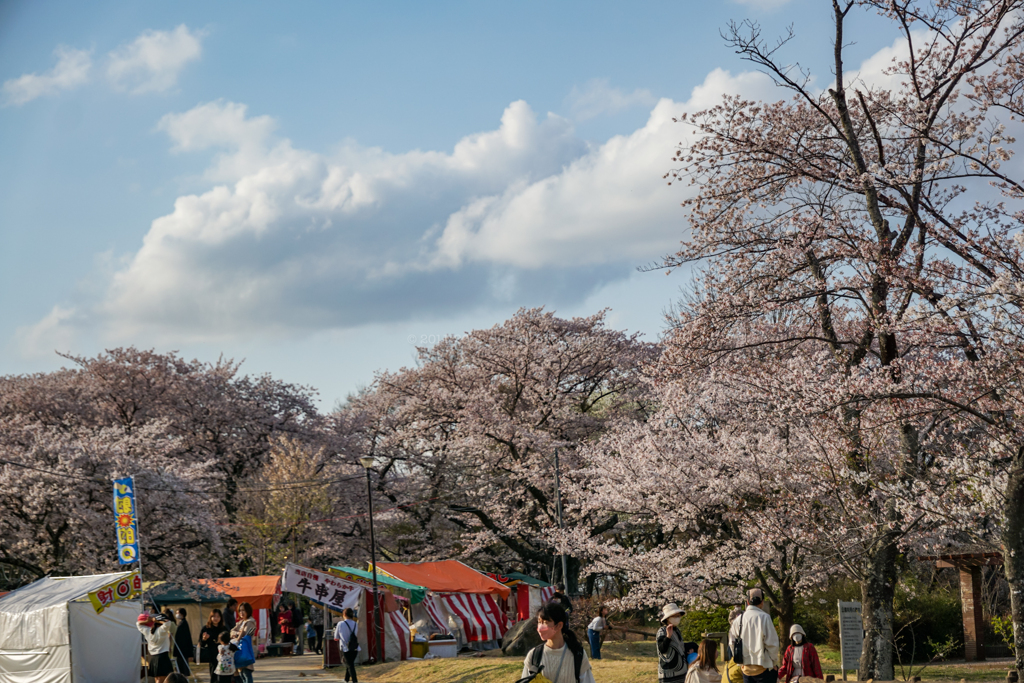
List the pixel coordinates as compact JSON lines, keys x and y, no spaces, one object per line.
{"x":320,"y":587}
{"x":126,"y":521}
{"x":122,"y":589}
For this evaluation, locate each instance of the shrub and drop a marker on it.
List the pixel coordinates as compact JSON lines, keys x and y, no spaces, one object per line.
{"x":698,"y":622}
{"x":1003,"y":626}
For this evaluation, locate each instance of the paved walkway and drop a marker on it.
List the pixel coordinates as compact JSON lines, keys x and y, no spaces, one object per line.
{"x":287,"y":669}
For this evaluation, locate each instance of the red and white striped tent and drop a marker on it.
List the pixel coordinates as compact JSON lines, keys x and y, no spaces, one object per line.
{"x":528,"y":594}
{"x":397,"y":636}
{"x":458,"y":591}
{"x":530,"y":598}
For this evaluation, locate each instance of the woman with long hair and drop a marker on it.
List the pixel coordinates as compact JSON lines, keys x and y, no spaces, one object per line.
{"x":560,"y":658}
{"x":209,"y":639}
{"x":705,"y":668}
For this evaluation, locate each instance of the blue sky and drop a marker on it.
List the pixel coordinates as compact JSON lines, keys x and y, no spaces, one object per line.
{"x":317,"y":188}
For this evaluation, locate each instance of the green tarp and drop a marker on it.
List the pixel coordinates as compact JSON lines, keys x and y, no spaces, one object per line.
{"x":417,"y":594}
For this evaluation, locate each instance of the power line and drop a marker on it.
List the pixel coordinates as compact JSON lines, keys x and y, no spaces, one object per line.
{"x":283,"y":486}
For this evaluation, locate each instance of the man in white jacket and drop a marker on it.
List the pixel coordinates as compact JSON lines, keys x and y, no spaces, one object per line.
{"x":760,"y":641}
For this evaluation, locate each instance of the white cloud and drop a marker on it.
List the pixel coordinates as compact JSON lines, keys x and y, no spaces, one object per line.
{"x":72,"y":69}
{"x":597,"y":97}
{"x":55,"y":332}
{"x":286,"y":240}
{"x":152,"y":62}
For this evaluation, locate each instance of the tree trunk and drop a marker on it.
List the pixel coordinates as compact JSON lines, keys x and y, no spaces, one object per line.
{"x":572,"y":581}
{"x":1013,"y":553}
{"x":787,"y":609}
{"x":878,"y":591}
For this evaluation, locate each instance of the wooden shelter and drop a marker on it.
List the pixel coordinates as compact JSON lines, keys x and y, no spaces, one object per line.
{"x":969,"y":565}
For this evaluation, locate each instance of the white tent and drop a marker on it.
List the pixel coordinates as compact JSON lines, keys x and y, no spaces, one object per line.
{"x":50,"y":633}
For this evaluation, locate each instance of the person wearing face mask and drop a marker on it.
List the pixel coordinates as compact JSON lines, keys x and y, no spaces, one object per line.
{"x":800,"y":659}
{"x":671,"y":649}
{"x":560,"y":658}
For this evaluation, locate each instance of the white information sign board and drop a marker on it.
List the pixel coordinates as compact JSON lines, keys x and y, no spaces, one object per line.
{"x":851,"y":635}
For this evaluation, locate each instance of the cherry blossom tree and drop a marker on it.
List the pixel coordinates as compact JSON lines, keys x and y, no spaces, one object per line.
{"x":854,"y":231}
{"x":465,"y":440}
{"x":56,"y":511}
{"x":190,"y":432}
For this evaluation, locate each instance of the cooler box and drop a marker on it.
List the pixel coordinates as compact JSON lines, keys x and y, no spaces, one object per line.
{"x":419,"y":649}
{"x":444,"y":648}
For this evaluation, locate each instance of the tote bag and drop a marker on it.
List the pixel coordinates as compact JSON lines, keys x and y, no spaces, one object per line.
{"x":245,"y":655}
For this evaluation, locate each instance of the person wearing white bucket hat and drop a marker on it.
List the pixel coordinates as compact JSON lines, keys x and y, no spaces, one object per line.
{"x":671,"y":652}
{"x":800,"y":659}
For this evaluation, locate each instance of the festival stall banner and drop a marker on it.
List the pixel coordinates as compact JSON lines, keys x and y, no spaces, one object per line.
{"x":127,"y":522}
{"x":116,"y":591}
{"x":320,"y":587}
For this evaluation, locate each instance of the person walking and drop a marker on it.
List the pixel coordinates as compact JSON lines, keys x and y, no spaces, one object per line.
{"x":560,"y":658}
{"x":299,"y":628}
{"x":316,"y":617}
{"x":156,"y":630}
{"x":209,"y":639}
{"x":310,"y":637}
{"x":800,"y":658}
{"x":348,"y":642}
{"x":562,"y":598}
{"x":705,"y":668}
{"x":596,"y":630}
{"x":246,"y":626}
{"x":760,"y":652}
{"x":671,"y":649}
{"x":183,"y":647}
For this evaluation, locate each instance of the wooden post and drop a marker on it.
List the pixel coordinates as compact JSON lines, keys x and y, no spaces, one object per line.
{"x":970,"y":600}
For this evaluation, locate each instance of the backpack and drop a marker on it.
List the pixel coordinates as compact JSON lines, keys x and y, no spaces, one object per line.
{"x":353,"y":640}
{"x":537,"y":653}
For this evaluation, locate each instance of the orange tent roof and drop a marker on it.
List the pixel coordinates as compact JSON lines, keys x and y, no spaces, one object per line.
{"x":251,"y":589}
{"x":447,"y":576}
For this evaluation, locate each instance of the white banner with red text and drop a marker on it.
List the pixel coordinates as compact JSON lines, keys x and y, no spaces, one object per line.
{"x":320,"y":587}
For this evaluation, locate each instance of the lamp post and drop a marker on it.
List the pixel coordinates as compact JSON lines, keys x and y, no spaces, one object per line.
{"x":561,"y":527}
{"x":378,"y":624}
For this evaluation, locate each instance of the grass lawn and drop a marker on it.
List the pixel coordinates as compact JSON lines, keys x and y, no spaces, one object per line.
{"x":622,"y":662}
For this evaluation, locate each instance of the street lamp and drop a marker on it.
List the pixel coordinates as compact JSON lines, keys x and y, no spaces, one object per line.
{"x":378,"y":624}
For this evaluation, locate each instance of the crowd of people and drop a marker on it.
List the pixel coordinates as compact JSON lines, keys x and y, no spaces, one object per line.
{"x":169,"y":645}
{"x":752,"y":649}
